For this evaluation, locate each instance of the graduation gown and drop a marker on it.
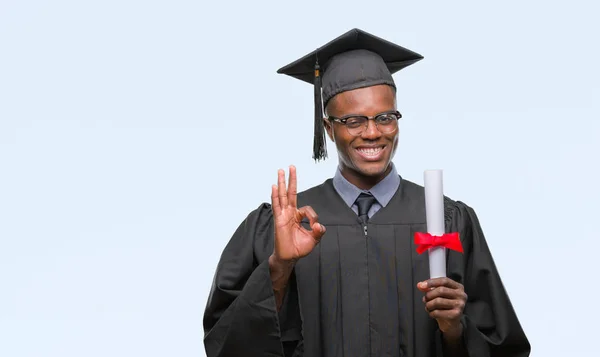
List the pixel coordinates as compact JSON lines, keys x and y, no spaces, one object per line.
{"x":355,"y":294}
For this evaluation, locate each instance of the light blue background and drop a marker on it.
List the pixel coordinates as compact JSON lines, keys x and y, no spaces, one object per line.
{"x":136,"y":135}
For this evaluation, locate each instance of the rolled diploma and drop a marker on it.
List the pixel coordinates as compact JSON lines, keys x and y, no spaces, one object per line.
{"x":434,"y":211}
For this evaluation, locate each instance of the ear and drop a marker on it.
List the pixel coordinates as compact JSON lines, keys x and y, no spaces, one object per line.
{"x":329,"y":128}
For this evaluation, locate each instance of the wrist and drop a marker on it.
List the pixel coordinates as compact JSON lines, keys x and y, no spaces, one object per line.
{"x":280,"y":271}
{"x":279,"y":265}
{"x":454,"y":334}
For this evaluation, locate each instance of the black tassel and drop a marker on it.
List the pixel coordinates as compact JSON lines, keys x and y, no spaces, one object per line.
{"x":319,"y":145}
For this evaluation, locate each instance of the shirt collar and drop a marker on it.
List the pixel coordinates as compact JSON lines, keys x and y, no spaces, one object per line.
{"x":383,"y":191}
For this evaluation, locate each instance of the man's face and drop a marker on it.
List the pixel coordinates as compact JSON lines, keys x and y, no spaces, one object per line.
{"x":365,"y":157}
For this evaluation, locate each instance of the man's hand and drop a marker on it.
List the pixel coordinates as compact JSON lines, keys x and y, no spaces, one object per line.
{"x":445,"y":301}
{"x":292,"y":240}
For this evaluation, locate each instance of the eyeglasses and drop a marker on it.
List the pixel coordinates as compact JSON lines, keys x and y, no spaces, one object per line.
{"x":355,"y":124}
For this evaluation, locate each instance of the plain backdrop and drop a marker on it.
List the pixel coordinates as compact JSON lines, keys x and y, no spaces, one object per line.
{"x":136,"y":135}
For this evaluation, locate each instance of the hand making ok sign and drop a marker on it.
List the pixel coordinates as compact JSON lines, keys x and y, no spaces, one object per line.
{"x":292,"y":241}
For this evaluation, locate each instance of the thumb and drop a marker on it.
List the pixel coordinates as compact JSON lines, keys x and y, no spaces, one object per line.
{"x":422,"y":286}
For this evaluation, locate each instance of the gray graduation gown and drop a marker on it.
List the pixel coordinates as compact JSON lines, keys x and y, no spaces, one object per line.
{"x":356,"y":295}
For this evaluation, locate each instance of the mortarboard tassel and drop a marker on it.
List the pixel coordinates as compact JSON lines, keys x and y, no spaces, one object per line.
{"x":319,"y":145}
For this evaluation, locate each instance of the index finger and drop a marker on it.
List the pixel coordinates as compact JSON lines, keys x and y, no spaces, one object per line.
{"x":292,"y":187}
{"x":444,"y":281}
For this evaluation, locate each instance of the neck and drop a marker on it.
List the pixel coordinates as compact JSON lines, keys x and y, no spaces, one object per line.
{"x":362,"y":181}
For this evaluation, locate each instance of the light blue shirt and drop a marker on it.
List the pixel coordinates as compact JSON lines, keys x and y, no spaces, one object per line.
{"x":382,"y":191}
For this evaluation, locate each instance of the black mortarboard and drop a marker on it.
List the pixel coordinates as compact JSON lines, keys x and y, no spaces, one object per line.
{"x":354,"y":60}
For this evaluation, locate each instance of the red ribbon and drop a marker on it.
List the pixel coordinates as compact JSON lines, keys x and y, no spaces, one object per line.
{"x":424,"y":241}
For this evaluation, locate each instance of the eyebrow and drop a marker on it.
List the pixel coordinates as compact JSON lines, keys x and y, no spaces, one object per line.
{"x":362,"y":115}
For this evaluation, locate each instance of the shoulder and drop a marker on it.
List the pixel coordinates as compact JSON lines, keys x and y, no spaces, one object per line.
{"x":261,"y":214}
{"x":458,"y":210}
{"x":256,"y":227}
{"x":412,"y":189}
{"x":461,"y":217}
{"x":455,"y":211}
{"x":320,"y":193}
{"x":261,"y":217}
{"x":316,"y":191}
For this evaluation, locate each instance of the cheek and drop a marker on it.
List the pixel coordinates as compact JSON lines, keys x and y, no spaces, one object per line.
{"x":341,"y":140}
{"x":344,"y":146}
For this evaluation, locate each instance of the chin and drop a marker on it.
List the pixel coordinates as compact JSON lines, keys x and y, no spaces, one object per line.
{"x":372,"y":169}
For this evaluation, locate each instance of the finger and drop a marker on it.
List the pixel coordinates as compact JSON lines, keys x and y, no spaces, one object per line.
{"x":318,"y":230}
{"x":444,"y":304}
{"x":446,"y":293}
{"x":275,"y":200}
{"x":283,"y":201}
{"x":423,"y":286}
{"x":310,"y":214}
{"x":292,"y":187}
{"x":448,"y":315}
{"x":436,"y":282}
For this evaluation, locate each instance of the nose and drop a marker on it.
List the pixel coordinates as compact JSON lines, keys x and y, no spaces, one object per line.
{"x":371,"y":132}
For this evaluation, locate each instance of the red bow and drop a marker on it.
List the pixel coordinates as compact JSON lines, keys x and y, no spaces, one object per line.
{"x":425,"y":241}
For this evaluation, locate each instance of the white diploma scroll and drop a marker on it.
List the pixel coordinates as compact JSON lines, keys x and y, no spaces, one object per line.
{"x":434,"y":210}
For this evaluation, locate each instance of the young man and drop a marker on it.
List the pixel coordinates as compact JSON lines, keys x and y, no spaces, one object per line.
{"x":333,"y":271}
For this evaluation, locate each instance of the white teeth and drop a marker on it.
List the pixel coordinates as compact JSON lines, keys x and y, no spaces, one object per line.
{"x":370,"y":151}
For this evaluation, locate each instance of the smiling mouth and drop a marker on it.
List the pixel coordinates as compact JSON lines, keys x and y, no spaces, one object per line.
{"x":370,"y":152}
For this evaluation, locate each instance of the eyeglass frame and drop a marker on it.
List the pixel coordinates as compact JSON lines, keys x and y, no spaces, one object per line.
{"x":344,"y":119}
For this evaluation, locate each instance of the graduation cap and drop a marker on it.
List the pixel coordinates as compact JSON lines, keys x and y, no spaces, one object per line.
{"x":353,"y":60}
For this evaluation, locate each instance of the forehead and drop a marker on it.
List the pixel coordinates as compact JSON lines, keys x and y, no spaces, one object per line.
{"x":364,"y":101}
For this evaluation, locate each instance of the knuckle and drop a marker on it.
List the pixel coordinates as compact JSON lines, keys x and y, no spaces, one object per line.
{"x":430,"y":305}
{"x":309,"y":211}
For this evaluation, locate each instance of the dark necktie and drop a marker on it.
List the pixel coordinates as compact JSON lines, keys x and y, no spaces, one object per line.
{"x":364,"y":203}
